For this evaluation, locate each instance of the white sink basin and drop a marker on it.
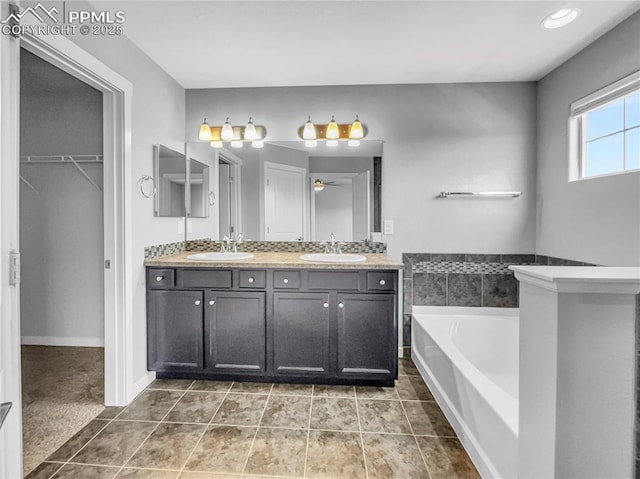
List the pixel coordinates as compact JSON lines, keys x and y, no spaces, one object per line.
{"x":219,"y":256}
{"x":333,"y":258}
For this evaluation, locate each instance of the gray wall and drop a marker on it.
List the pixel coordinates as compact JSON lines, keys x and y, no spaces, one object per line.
{"x":595,"y":220}
{"x":61,"y":226}
{"x":438,"y":137}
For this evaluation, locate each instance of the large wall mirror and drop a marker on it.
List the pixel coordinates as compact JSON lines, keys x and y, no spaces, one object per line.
{"x":170,"y":172}
{"x":286,"y":192}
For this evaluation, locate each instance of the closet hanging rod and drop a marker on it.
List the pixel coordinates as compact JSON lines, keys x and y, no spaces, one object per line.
{"x":60,"y":159}
{"x":513,"y":194}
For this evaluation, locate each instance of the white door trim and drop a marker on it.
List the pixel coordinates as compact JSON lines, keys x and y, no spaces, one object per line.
{"x":118,"y":303}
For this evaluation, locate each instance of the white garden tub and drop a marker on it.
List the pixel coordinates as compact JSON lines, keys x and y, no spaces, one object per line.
{"x":469,"y":359}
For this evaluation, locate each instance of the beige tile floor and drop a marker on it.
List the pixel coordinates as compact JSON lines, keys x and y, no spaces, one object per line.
{"x":217,"y":430}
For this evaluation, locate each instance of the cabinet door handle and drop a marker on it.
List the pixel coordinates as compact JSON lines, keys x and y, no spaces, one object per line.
{"x":340,"y":305}
{"x":382,"y":282}
{"x":285,"y":281}
{"x":326,"y":305}
{"x":251,"y":279}
{"x":211,"y":303}
{"x":159,"y":278}
{"x":197,"y":302}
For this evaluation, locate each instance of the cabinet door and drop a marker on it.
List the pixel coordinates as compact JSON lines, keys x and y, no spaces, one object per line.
{"x":174,"y":336}
{"x":300,"y":329}
{"x":367,"y":339}
{"x":235,"y":331}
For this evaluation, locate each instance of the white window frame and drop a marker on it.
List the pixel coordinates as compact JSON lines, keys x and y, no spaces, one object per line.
{"x":577,"y":123}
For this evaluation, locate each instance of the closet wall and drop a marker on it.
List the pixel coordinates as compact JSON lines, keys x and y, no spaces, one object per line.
{"x":61,"y":223}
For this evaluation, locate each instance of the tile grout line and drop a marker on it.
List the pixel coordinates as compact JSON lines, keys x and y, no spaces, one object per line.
{"x":266,"y":403}
{"x":206,"y":427}
{"x":306,"y":451}
{"x":83,"y":446}
{"x":153,"y":430}
{"x":364,"y":456}
{"x":424,"y":461}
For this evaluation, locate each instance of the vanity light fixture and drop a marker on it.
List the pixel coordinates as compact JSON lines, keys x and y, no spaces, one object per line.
{"x":332,"y":132}
{"x":250,"y":132}
{"x":309,"y":130}
{"x":561,"y":18}
{"x":218,"y":136}
{"x":227,"y":131}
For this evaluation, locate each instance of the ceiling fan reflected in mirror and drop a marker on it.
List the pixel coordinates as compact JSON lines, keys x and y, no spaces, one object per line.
{"x":318,"y":184}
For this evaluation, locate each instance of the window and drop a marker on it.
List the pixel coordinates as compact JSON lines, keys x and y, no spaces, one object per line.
{"x":605,"y":131}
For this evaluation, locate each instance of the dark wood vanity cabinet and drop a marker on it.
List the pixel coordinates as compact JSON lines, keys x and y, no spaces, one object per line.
{"x":330,"y":326}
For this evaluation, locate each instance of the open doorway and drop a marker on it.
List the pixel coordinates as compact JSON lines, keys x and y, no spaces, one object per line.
{"x":62,"y":250}
{"x":229,"y":203}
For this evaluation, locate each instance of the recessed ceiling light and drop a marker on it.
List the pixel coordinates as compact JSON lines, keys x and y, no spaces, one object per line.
{"x":561,"y":18}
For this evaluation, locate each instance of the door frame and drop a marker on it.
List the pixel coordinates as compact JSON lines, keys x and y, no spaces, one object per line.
{"x":235,"y":171}
{"x":118,"y":280}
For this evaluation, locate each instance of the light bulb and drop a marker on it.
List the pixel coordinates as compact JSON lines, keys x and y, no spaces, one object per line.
{"x":309,"y":130}
{"x":353,"y":143}
{"x":236,"y":144}
{"x":332,"y":143}
{"x":205,"y":131}
{"x":356,"y":132}
{"x":257,"y":143}
{"x":250,"y":132}
{"x":227,"y":131}
{"x":310,"y":143}
{"x":216,"y":144}
{"x":333,"y":132}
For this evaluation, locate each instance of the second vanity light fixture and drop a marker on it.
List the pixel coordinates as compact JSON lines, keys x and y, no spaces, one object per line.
{"x":332,"y":132}
{"x":235,"y":135}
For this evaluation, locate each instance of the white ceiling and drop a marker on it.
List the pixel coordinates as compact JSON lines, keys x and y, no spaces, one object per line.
{"x":216,"y":44}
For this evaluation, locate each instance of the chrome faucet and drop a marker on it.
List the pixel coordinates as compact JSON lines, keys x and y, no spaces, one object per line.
{"x":333,"y":246}
{"x":230,"y":246}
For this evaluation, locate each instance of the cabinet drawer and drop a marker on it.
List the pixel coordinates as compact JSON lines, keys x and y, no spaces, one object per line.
{"x":286,"y":279}
{"x":252,"y":279}
{"x":160,"y":278}
{"x":206,"y":278}
{"x":341,"y":280}
{"x":382,"y":281}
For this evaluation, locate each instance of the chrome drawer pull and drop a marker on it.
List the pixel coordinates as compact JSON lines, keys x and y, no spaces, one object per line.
{"x":198,"y":302}
{"x":326,"y":305}
{"x":159,"y":278}
{"x":340,"y":305}
{"x":251,"y":280}
{"x":211,"y":303}
{"x":382,"y":282}
{"x":285,"y":281}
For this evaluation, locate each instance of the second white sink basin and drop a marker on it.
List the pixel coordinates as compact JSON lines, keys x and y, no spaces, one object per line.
{"x":333,"y":257}
{"x":219,"y":256}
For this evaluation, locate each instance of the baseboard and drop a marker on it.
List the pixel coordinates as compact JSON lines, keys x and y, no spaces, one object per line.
{"x":62,"y":341}
{"x":141,"y":384}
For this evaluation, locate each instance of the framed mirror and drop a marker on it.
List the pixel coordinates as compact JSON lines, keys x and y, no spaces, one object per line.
{"x":170,"y":171}
{"x":198,"y":192}
{"x":272,"y":193}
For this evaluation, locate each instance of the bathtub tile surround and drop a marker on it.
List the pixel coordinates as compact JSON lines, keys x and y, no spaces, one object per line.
{"x":200,"y":429}
{"x":459,"y":279}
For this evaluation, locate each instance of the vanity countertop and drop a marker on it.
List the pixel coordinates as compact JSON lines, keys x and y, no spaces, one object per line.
{"x":273,"y":260}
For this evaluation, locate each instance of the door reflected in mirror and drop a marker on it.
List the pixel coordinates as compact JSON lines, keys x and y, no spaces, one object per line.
{"x":271,"y":193}
{"x":198,"y":189}
{"x":170,"y":171}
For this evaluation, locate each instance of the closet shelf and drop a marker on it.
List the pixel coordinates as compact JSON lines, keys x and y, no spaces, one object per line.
{"x":75,"y":160}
